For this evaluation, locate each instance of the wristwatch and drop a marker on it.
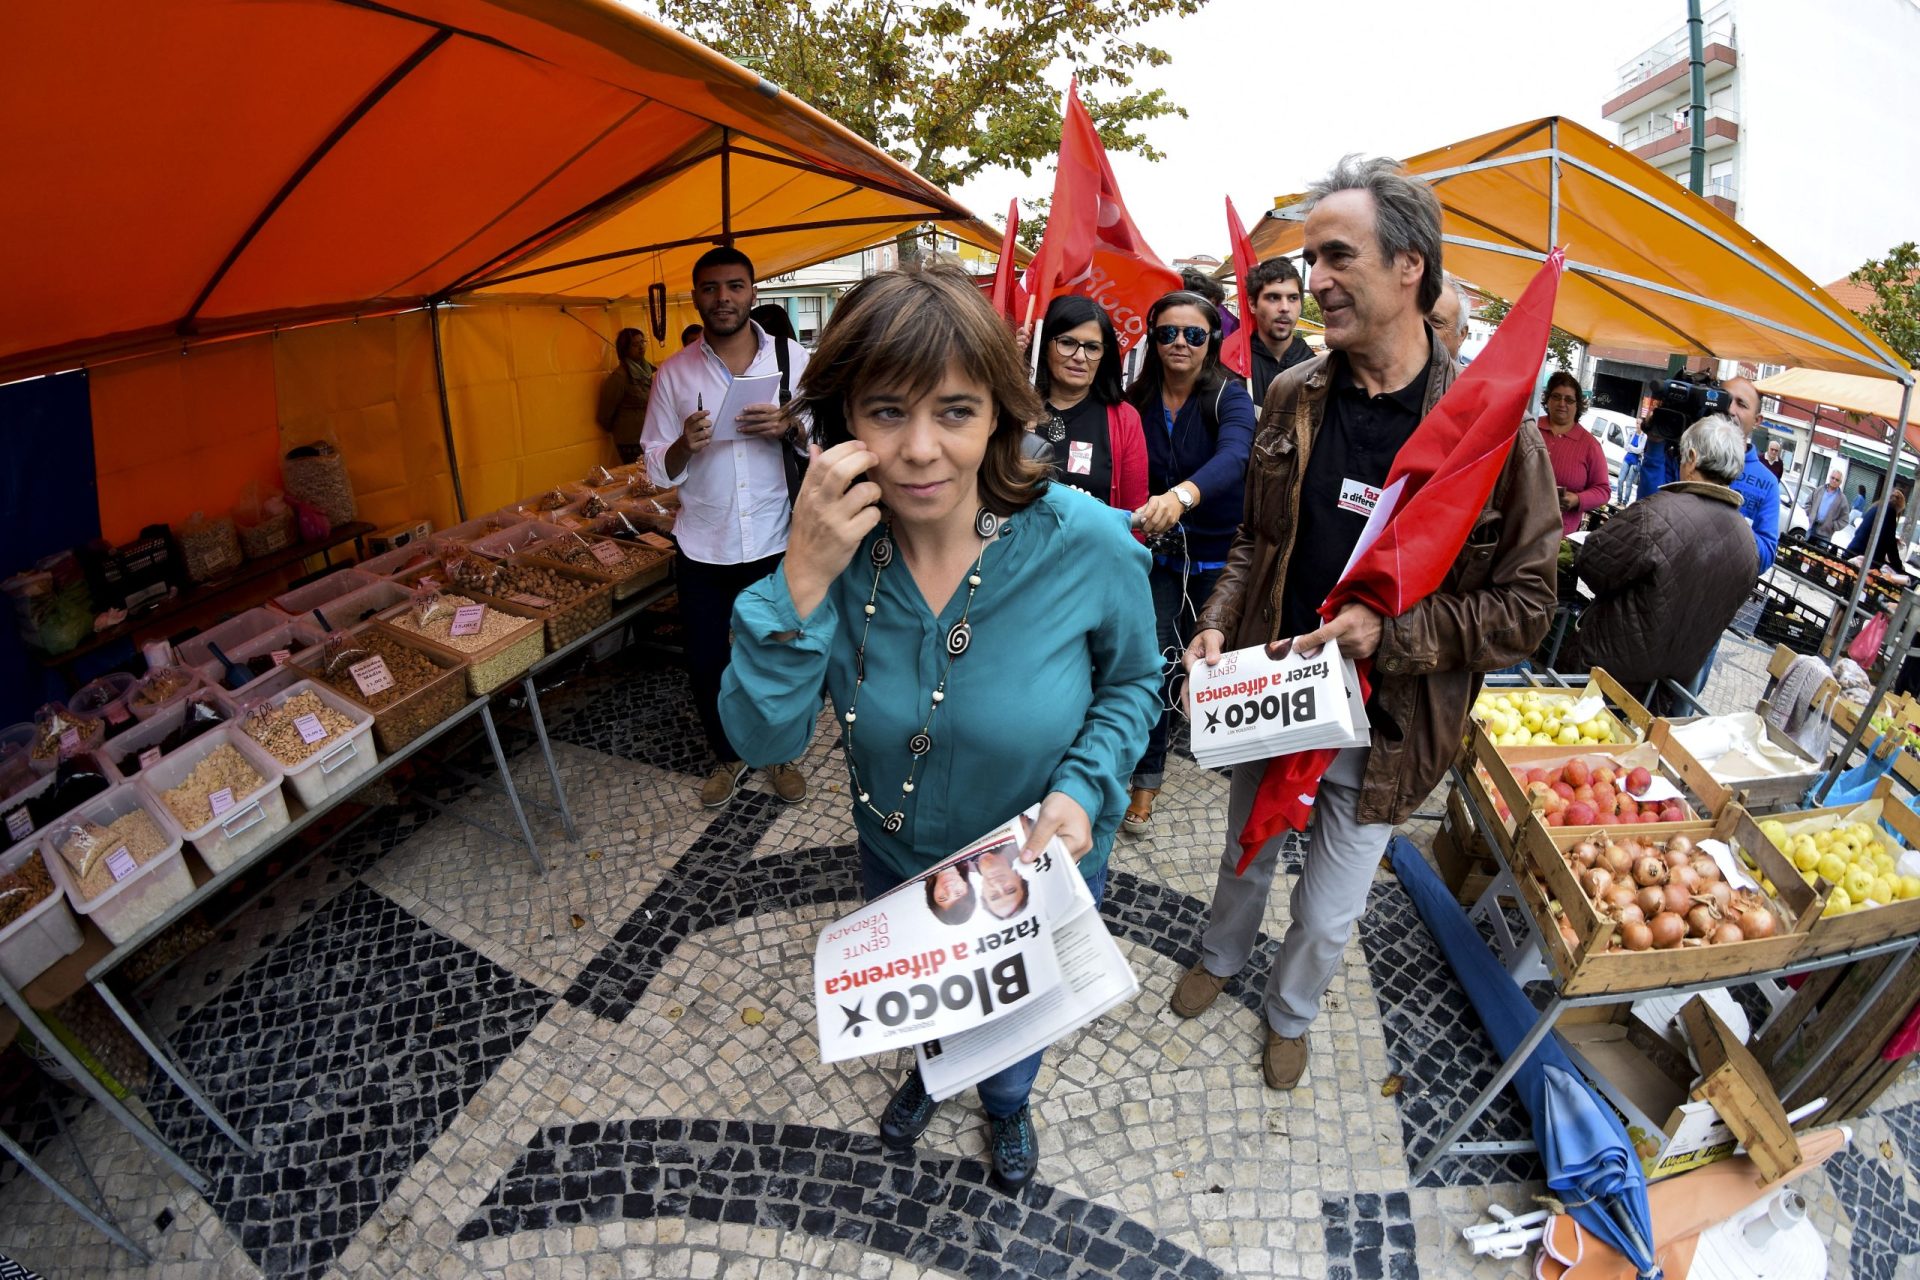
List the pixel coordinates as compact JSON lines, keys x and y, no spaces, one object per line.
{"x":1184,"y":496}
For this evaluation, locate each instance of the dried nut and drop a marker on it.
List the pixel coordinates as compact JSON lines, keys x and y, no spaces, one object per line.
{"x":87,"y":845}
{"x":273,"y":727}
{"x":223,"y":769}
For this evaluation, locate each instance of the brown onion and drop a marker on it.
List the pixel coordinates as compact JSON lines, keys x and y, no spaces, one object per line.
{"x":1701,"y":920}
{"x":1618,"y":896}
{"x":1616,"y":859}
{"x":1725,"y":933}
{"x":1666,"y":930}
{"x":1595,"y":880}
{"x":1636,"y":936}
{"x":1720,"y":892}
{"x":1630,"y":914}
{"x":1678,"y":899}
{"x":1585,"y":849}
{"x":1756,"y":923}
{"x":1579,"y":860}
{"x":1680,"y":844}
{"x":1678,"y":857}
{"x":1706,"y":868}
{"x":1651,"y":900}
{"x":1648,"y":869}
{"x":1568,"y":936}
{"x":1686,"y":877}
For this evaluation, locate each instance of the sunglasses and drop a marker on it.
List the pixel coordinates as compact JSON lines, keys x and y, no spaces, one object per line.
{"x":1164,"y":334}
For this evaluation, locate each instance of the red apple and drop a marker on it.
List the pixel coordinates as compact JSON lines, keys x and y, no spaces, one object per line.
{"x":1648,"y":815}
{"x":1604,"y":776}
{"x":1556,"y":819}
{"x":1673,"y":813}
{"x":1603,"y":796}
{"x":1639,"y":780}
{"x":1579,"y":814}
{"x":1577,"y":773}
{"x":1564,"y":790}
{"x":1539,"y":775}
{"x":1584,"y":794}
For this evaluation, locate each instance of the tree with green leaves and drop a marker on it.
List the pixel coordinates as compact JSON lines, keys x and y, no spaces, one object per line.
{"x":1559,"y":342}
{"x":949,"y":88}
{"x":1895,"y":312}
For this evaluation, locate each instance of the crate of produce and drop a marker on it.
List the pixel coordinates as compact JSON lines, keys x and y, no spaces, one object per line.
{"x":161,"y":688}
{"x":571,"y":602}
{"x":1548,"y":781}
{"x":322,"y":741}
{"x":50,"y":797}
{"x":510,"y":639}
{"x":1850,"y":858}
{"x":630,"y":565}
{"x":264,"y":656}
{"x":517,"y":538}
{"x":106,"y":696}
{"x":399,"y":561}
{"x":1787,"y":619}
{"x":224,"y":770}
{"x":118,"y":861}
{"x":408,"y":686}
{"x":60,"y":733}
{"x":37,"y":927}
{"x":156,"y":738}
{"x":1736,"y":758}
{"x":321,"y":591}
{"x":364,"y":603}
{"x":1592,"y":941}
{"x":479,"y":527}
{"x":197,"y":651}
{"x":1600,"y":711}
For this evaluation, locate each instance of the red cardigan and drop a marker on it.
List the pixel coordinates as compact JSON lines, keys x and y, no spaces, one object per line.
{"x":1127,"y":443}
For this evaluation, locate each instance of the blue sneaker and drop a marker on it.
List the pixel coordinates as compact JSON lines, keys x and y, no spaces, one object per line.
{"x":1016,"y":1151}
{"x":909,"y":1114}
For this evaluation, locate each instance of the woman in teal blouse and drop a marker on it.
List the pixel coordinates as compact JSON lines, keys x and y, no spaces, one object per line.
{"x":986,"y":638}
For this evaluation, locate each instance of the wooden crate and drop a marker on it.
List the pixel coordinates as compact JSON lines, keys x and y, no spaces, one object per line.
{"x":1630,"y":719}
{"x":1503,"y":766}
{"x":1831,"y":935}
{"x":1467,"y":864}
{"x":1589,"y":969}
{"x":1740,"y":1092}
{"x":1753,"y":794}
{"x":1849,"y":1073}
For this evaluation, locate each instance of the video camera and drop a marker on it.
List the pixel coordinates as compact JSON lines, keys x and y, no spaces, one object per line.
{"x":1681,"y":401}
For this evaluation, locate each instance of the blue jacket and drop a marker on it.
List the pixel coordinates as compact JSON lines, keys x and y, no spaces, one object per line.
{"x":1759,"y":491}
{"x":1215,"y":462}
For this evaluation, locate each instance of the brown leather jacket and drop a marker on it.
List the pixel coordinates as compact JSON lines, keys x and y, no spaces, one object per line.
{"x":1492,"y":610}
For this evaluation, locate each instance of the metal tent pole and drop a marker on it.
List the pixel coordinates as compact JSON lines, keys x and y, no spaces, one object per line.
{"x":1879,"y":520}
{"x":446,"y":412}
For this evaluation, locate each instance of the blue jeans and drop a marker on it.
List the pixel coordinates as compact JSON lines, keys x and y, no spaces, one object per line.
{"x":1003,"y":1092}
{"x":1174,"y":615}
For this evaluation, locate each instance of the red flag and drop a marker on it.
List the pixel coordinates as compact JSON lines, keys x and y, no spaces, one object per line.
{"x":1091,"y":246}
{"x":1439,"y":482}
{"x":1236,"y":352}
{"x":1006,"y":281}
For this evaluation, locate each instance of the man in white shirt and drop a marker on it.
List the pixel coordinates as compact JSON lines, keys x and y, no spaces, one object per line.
{"x":732,"y":527}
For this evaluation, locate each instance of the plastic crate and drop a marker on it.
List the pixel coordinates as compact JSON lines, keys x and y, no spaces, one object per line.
{"x":130,"y":905}
{"x":568,"y":622}
{"x":195,"y":651}
{"x":106,"y":697}
{"x":317,"y":594}
{"x":391,"y":564}
{"x":407,"y":717}
{"x":478,"y":527}
{"x":42,"y":935}
{"x":289,"y":638}
{"x":147,"y":711}
{"x":255,"y":818}
{"x":644,"y":564}
{"x":499,"y":546}
{"x":363,"y":603}
{"x":337,"y":763}
{"x":124,"y":752}
{"x":505,"y":660}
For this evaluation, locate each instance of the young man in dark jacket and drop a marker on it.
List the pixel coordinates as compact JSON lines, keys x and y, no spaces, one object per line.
{"x":1328,"y":434}
{"x":1274,"y":287}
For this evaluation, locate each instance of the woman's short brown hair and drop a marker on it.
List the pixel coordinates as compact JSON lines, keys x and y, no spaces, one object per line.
{"x":902,"y":330}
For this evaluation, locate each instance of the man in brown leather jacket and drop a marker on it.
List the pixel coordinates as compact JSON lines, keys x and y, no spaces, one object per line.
{"x":1327,"y":436}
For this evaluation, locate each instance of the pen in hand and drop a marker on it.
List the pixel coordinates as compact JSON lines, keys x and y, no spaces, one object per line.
{"x":699,"y":402}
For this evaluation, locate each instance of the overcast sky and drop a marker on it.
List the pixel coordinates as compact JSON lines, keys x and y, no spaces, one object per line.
{"x":1275,"y":93}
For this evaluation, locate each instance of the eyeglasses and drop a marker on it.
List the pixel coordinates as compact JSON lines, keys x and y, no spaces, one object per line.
{"x":1069,"y":346}
{"x":1563,"y":399}
{"x":1164,"y":334}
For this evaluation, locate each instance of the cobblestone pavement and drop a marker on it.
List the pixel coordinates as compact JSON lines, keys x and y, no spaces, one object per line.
{"x":449,"y":1066}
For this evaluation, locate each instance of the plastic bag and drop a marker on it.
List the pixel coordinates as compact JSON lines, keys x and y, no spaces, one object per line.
{"x":474,"y":572}
{"x":265,"y":525}
{"x":313,"y":522}
{"x":81,"y":844}
{"x":158,"y":688}
{"x":553,"y":500}
{"x":1865,"y":648}
{"x":316,"y":474}
{"x":210,"y":547}
{"x":425,"y":605}
{"x":339,"y":651}
{"x":59,"y":733}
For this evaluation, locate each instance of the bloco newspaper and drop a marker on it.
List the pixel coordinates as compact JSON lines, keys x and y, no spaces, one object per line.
{"x":986,"y":956}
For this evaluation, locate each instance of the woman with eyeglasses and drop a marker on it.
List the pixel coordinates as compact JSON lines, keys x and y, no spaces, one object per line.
{"x":1579,"y":464}
{"x":1198,"y":424}
{"x":1097,"y":443}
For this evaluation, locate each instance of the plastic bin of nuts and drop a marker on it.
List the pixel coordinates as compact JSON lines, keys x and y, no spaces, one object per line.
{"x":573,"y":603}
{"x":498,"y":546}
{"x":629,"y":566}
{"x":224,"y":769}
{"x":408,"y":686}
{"x":161,"y":688}
{"x":322,"y":591}
{"x":510,"y":638}
{"x":118,"y":861}
{"x":322,"y":742}
{"x":36,"y":924}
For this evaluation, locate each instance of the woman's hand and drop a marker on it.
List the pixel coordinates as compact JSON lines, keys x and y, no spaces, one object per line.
{"x":1060,"y":815}
{"x":833,"y":512}
{"x":1161,"y":513}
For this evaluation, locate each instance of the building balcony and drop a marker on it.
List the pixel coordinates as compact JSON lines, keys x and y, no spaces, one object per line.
{"x":1661,"y":71}
{"x":1724,"y":196}
{"x":1723,"y":130}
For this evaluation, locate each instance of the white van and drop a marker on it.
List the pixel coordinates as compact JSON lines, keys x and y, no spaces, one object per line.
{"x":1613,"y":431}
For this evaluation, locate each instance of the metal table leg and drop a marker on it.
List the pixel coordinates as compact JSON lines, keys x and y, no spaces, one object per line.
{"x":161,"y":1053}
{"x":1542,"y":1026}
{"x":1852,"y":1020}
{"x":98,"y":1221}
{"x":546,"y":750}
{"x":141,"y":1132}
{"x":513,"y":793}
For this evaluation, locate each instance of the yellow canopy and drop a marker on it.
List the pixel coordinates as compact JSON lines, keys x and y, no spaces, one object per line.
{"x":189,"y":169}
{"x":1872,"y":397}
{"x":1649,"y":264}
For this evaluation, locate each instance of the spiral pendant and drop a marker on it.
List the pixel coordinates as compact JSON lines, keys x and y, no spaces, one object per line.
{"x":882,"y":553}
{"x":894,"y":821}
{"x":959,"y":638}
{"x":919,"y":744}
{"x":986,"y":524}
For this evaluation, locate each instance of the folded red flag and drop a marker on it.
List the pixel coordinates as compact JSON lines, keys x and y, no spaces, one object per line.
{"x":1235,"y":351}
{"x":1006,"y":272}
{"x":1439,"y":482}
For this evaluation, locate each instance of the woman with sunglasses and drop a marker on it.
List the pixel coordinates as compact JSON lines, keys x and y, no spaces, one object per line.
{"x":1199,"y":433}
{"x":1097,"y":443}
{"x":923,"y":590}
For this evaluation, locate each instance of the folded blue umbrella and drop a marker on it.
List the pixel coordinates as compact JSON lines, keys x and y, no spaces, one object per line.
{"x":1590,"y":1162}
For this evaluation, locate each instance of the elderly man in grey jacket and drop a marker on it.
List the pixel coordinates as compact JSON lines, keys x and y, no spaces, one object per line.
{"x":1828,"y":510}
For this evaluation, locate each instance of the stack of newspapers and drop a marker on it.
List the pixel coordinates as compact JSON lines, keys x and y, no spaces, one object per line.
{"x":1249,"y":706}
{"x":988,"y":957}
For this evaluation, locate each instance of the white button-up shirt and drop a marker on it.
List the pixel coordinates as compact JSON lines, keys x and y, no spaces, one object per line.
{"x":733,"y":493}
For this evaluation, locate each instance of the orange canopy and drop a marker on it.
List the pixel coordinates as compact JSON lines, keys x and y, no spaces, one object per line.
{"x":185,"y":169}
{"x":1649,"y":264}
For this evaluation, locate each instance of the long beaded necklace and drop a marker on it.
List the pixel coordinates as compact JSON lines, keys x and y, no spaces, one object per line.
{"x":959,"y":637}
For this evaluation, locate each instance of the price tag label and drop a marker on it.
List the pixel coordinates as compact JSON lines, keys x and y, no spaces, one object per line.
{"x":117,"y":713}
{"x":311,"y":730}
{"x":70,"y":740}
{"x":467,"y":619}
{"x":531,"y":601}
{"x":150,"y":757}
{"x":221,"y":800}
{"x":20,"y":823}
{"x":657,"y":542}
{"x":607,"y":553}
{"x":121,"y":863}
{"x":371,"y":676}
{"x":280,"y":657}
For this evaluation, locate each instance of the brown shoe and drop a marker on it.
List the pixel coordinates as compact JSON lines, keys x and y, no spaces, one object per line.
{"x":1139,"y":818}
{"x":1285,"y":1060}
{"x":788,"y":782}
{"x":1196,"y":992}
{"x":722,"y":784}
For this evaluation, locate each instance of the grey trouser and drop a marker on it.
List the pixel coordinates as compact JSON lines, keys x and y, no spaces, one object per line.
{"x":1328,"y":896}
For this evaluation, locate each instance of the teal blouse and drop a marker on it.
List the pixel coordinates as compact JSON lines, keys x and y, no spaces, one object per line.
{"x":1055,"y":693}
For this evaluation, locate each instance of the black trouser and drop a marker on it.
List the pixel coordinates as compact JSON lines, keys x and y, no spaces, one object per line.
{"x":707,"y":593}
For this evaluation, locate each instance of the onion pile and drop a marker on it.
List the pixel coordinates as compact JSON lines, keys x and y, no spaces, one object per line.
{"x":1661,"y":896}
